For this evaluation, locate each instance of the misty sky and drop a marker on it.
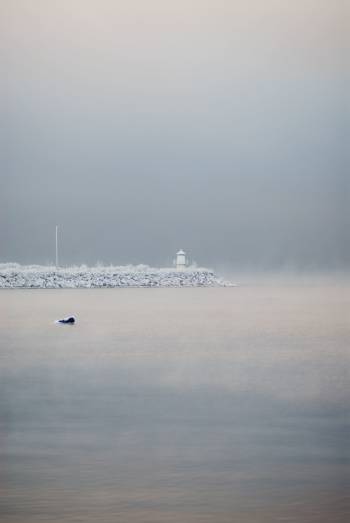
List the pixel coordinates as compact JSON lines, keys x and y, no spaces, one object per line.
{"x":144,"y":126}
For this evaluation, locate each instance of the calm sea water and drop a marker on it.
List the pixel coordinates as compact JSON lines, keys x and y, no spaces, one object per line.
{"x":175,"y":405}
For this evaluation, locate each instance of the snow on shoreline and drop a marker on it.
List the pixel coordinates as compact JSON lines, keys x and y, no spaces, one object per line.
{"x":13,"y":275}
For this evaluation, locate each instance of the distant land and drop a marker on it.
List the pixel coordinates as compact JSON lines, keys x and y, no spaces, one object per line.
{"x":14,"y":275}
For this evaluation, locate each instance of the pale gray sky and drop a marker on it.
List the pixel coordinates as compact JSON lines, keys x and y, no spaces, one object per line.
{"x":141,"y":127}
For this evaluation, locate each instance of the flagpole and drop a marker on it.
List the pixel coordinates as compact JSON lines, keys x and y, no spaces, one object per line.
{"x":56,"y":246}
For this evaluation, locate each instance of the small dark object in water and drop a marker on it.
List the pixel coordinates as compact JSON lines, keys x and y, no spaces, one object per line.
{"x":69,"y":319}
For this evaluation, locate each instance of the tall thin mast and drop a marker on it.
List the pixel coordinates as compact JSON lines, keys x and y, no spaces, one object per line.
{"x":56,"y":246}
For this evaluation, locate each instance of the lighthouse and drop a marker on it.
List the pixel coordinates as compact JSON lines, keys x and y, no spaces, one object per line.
{"x":180,"y":260}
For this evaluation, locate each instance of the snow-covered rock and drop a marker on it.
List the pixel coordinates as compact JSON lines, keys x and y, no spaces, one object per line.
{"x":13,"y":275}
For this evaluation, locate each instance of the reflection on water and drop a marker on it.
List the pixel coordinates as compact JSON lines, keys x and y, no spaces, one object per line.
{"x":175,"y":405}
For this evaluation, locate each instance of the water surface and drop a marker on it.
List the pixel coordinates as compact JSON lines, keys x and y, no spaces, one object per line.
{"x":175,"y":405}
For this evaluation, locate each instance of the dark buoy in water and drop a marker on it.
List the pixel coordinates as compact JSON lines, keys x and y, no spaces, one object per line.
{"x":70,"y":320}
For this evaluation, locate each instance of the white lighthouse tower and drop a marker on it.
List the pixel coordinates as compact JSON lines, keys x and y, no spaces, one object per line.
{"x":180,"y":260}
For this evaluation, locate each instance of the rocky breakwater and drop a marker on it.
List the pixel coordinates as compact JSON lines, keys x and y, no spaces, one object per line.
{"x":42,"y":277}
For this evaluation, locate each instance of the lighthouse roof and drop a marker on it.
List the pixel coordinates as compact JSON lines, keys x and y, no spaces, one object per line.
{"x":181,"y":252}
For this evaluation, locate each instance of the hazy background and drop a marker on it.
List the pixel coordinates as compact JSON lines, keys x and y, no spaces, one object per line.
{"x":144,"y":126}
